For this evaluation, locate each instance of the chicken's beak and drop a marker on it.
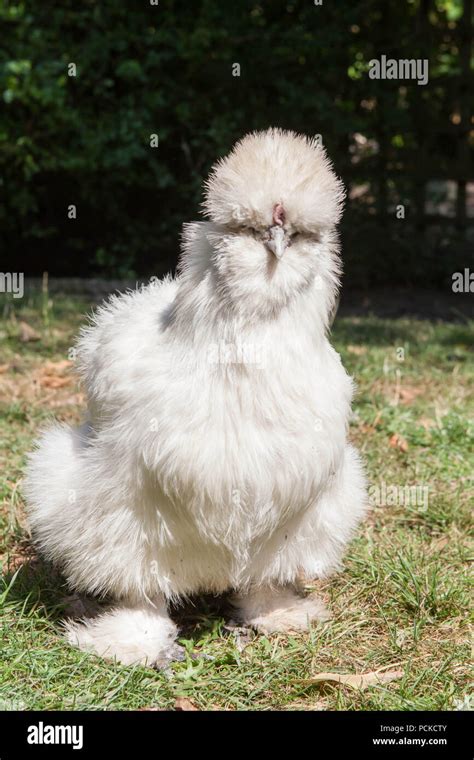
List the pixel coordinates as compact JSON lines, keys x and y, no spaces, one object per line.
{"x":277,"y":241}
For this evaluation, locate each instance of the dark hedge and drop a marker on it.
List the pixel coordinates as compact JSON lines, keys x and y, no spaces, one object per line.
{"x":167,"y":69}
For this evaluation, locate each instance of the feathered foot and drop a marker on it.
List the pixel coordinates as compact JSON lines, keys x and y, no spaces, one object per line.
{"x":131,"y":634}
{"x":279,"y":610}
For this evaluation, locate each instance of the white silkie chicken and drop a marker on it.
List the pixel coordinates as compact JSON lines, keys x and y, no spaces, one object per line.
{"x":215,"y":454}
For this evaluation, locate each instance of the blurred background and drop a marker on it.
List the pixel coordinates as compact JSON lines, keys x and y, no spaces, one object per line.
{"x":167,"y":69}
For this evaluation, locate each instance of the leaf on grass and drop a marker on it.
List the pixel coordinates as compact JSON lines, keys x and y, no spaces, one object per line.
{"x":358,"y":681}
{"x":409,"y":393}
{"x":57,"y":368}
{"x":357,"y":350}
{"x":378,"y":419}
{"x":397,"y":441}
{"x":54,"y":382}
{"x":185,"y":704}
{"x":427,"y":423}
{"x":371,"y":428}
{"x":439,"y":544}
{"x":54,"y":374}
{"x":27,"y":333}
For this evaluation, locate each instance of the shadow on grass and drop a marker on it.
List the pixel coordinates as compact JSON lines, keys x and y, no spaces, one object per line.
{"x":374,"y":331}
{"x":37,"y":587}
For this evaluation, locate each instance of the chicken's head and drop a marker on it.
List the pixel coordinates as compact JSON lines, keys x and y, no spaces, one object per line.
{"x":273,"y":203}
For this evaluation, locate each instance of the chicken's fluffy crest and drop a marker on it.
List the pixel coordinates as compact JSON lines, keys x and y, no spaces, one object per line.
{"x":272,"y":167}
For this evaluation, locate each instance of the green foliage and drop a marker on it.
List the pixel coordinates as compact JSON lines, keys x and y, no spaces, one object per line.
{"x":167,"y":70}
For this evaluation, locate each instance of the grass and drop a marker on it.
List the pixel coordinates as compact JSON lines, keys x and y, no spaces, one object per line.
{"x":401,"y":602}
